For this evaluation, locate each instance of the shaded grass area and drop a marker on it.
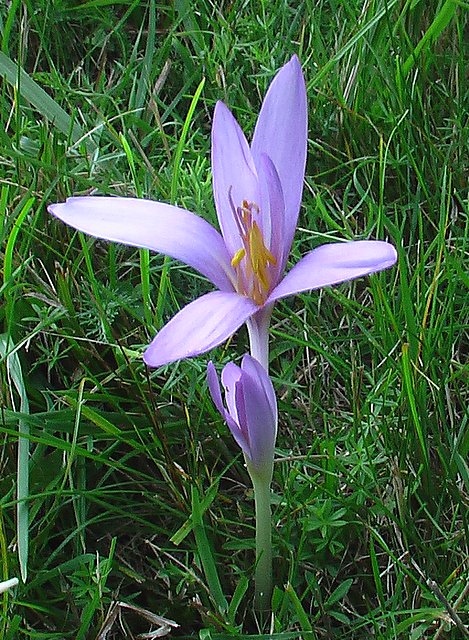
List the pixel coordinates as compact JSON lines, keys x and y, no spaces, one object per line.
{"x":371,"y":481}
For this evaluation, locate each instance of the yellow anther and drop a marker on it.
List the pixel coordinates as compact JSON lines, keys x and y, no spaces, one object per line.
{"x":258,"y":248}
{"x":254,"y":277}
{"x":238,"y":256}
{"x":259,"y":256}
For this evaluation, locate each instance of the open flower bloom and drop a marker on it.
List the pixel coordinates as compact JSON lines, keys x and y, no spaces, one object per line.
{"x":257,"y":190}
{"x":251,"y":410}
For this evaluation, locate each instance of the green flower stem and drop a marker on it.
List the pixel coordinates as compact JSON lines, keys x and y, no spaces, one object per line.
{"x":258,"y":329}
{"x":263,"y":575}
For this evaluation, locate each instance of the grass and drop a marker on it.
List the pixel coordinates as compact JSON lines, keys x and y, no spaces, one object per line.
{"x":138,"y":507}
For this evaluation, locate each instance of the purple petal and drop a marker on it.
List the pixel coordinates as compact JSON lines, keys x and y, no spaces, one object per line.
{"x":261,"y":422}
{"x":153,"y":225}
{"x":215,"y":392}
{"x":256,"y":371}
{"x":199,"y":327}
{"x":273,"y":210}
{"x":281,"y":132}
{"x":214,"y":388}
{"x":230,"y":377}
{"x":240,"y":407}
{"x":234,"y":173}
{"x":333,"y":263}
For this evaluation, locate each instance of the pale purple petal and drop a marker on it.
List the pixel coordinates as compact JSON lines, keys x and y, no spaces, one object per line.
{"x":239,"y":403}
{"x":261,"y":422}
{"x":333,"y":263}
{"x":281,"y":132}
{"x":257,"y":372}
{"x":152,"y":225}
{"x":199,"y":327}
{"x":229,"y":378}
{"x":273,"y":214}
{"x":214,"y":388}
{"x":215,"y":392}
{"x":234,"y":173}
{"x":252,"y":409}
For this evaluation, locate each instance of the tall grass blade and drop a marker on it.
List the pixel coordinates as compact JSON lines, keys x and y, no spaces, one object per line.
{"x":187,"y":15}
{"x":145,"y":77}
{"x":361,"y":33}
{"x":15,"y":376}
{"x":408,"y":380}
{"x":9,"y":22}
{"x":439,"y":24}
{"x":33,"y":93}
{"x":174,"y":188}
{"x":11,"y":242}
{"x":206,"y":554}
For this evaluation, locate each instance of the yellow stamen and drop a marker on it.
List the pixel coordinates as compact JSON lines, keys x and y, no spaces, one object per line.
{"x":238,"y":256}
{"x":254,"y":277}
{"x":259,"y":256}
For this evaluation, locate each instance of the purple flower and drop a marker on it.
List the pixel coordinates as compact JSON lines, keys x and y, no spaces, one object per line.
{"x":257,"y":192}
{"x":251,"y":410}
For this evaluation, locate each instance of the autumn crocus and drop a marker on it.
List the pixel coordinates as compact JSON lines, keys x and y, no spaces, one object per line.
{"x":257,"y":190}
{"x":250,"y":411}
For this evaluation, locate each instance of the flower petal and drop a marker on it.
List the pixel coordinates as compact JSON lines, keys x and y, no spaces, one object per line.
{"x":273,"y":214}
{"x":199,"y":327}
{"x":230,"y":377}
{"x":234,"y":173}
{"x":152,"y":225}
{"x":282,"y":133}
{"x":215,"y":392}
{"x":333,"y":263}
{"x":255,"y":369}
{"x":261,"y":420}
{"x":214,"y":388}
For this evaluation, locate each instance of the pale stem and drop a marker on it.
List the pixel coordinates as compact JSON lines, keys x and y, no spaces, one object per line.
{"x":263,"y":573}
{"x":258,"y":329}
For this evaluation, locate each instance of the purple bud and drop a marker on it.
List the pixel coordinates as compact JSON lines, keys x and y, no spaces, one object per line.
{"x":250,"y":408}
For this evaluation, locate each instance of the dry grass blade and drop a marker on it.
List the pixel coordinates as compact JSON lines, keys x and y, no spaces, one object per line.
{"x":115,"y":610}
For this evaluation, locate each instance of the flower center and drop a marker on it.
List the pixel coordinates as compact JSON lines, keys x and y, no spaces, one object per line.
{"x":253,"y":262}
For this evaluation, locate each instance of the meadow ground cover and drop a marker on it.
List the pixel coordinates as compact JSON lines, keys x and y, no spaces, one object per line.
{"x":124,"y":504}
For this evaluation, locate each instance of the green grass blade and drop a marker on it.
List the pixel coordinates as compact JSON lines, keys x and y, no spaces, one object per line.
{"x":237,"y":598}
{"x":206,"y":554}
{"x":9,"y":22}
{"x":174,"y":189}
{"x":10,"y":245}
{"x":187,"y":15}
{"x":463,"y":469}
{"x":361,"y":33}
{"x":15,"y":374}
{"x":408,"y":379}
{"x":182,"y":140}
{"x":303,"y":617}
{"x":33,"y":93}
{"x":144,"y":84}
{"x":439,"y":24}
{"x":205,"y":504}
{"x":143,"y":253}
